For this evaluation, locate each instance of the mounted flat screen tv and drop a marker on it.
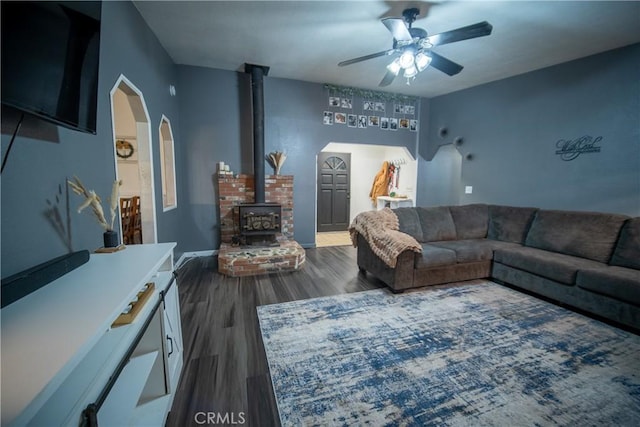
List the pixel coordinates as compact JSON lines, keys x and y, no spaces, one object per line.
{"x":50,"y":58}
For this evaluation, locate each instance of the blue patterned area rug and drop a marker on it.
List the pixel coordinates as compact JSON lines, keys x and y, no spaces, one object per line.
{"x":473,"y":354}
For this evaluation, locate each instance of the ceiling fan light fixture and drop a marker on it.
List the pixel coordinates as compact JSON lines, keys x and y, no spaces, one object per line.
{"x":407,"y":59}
{"x":394,"y":67}
{"x":422,"y":61}
{"x":410,"y":72}
{"x":412,"y":46}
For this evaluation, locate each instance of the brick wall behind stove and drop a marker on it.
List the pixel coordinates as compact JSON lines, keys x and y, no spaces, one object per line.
{"x":234,"y":191}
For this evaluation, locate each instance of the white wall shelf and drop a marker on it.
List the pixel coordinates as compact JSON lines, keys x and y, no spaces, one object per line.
{"x":393,"y":202}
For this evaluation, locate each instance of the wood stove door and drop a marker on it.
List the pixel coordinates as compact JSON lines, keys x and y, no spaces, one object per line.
{"x":334,"y":191}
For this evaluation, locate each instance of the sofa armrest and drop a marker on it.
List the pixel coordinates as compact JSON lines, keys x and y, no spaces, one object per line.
{"x":401,"y":274}
{"x":380,"y":230}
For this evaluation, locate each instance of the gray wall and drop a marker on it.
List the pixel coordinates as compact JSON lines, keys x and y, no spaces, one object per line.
{"x":33,"y":182}
{"x":512,"y":126}
{"x":440,"y":178}
{"x":215,"y":114}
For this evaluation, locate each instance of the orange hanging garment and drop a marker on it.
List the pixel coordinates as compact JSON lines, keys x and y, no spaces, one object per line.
{"x":380,"y":183}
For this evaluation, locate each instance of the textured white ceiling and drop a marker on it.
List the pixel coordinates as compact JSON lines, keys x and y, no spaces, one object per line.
{"x":305,"y":40}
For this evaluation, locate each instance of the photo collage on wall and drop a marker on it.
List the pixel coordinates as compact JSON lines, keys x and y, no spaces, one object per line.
{"x":372,"y":114}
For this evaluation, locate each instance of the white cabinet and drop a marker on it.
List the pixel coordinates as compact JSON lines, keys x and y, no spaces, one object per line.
{"x":173,"y":337}
{"x":61,"y":353}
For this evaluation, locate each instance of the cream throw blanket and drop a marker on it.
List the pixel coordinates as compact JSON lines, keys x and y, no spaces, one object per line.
{"x":380,"y":230}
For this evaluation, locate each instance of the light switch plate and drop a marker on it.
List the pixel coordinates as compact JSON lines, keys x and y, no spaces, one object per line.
{"x":468,"y":189}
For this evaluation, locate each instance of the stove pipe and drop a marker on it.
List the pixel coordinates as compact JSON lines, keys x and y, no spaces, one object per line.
{"x":257,"y":73}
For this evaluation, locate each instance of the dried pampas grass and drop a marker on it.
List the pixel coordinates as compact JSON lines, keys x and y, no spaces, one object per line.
{"x":93,"y":200}
{"x":276,"y":160}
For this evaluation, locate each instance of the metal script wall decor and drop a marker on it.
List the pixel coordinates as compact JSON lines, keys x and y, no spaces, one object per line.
{"x":569,"y":149}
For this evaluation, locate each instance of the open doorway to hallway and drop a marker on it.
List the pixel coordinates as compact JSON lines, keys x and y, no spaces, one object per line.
{"x":134,"y":163}
{"x":365,"y":163}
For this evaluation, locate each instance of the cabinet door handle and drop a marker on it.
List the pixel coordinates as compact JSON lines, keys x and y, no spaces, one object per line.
{"x":170,"y":342}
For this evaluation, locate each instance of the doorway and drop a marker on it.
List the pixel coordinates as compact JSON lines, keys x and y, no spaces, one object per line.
{"x":366,"y":159}
{"x":334,"y":191}
{"x":134,"y":159}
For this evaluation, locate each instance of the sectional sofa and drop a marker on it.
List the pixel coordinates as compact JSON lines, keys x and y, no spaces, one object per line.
{"x":586,"y":260}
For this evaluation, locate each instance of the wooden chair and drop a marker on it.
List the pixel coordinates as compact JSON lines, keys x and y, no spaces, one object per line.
{"x":131,"y":220}
{"x":136,"y":221}
{"x":126,"y":213}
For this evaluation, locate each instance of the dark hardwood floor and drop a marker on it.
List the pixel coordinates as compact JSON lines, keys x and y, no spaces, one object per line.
{"x":225,"y":371}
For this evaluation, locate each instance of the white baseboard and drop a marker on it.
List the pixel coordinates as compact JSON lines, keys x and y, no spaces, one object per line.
{"x":195,"y":254}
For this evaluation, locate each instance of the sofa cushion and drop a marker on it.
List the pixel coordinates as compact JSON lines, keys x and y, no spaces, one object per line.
{"x":408,"y":222}
{"x":433,"y":256}
{"x":436,"y":223}
{"x":559,"y":267}
{"x":627,"y":252}
{"x":473,"y":250}
{"x":616,"y":282}
{"x":584,"y":234}
{"x":509,"y":223}
{"x":471,"y":221}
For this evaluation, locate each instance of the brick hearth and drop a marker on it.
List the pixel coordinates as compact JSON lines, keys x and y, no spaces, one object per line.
{"x":239,"y":261}
{"x":236,"y":261}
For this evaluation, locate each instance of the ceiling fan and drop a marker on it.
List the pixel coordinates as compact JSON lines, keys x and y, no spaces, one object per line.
{"x":412,"y":47}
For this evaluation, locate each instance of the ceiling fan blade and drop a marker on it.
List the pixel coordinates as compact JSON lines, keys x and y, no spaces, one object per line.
{"x":364,"y":58}
{"x":398,"y":29}
{"x":469,"y":32}
{"x":387,"y":79}
{"x":445,"y":65}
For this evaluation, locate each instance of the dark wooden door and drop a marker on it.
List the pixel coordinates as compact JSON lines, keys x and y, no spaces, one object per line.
{"x":333,"y":191}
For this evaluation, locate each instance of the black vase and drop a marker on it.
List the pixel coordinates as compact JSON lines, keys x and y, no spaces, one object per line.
{"x":110,"y":239}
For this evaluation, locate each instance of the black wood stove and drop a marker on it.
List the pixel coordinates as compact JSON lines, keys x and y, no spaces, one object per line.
{"x":259,"y":223}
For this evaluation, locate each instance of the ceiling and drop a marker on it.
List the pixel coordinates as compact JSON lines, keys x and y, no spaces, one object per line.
{"x":305,"y":40}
